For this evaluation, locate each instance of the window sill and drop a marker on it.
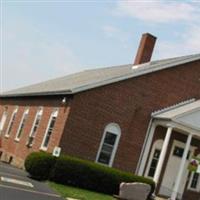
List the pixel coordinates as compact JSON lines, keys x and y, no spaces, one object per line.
{"x":7,"y":136}
{"x":16,"y":140}
{"x":43,"y":149}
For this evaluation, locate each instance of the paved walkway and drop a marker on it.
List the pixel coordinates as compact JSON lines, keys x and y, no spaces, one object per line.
{"x":15,"y":185}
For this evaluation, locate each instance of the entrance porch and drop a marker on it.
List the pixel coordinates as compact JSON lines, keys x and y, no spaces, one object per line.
{"x":174,"y":134}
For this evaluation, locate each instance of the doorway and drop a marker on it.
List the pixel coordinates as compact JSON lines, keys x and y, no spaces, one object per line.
{"x":172,"y":169}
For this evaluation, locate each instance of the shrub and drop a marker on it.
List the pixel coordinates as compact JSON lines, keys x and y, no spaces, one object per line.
{"x":79,"y":173}
{"x":92,"y":176}
{"x":39,"y":165}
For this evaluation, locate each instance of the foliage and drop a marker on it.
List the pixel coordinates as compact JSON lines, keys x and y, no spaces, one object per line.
{"x":92,"y":176}
{"x":80,"y":173}
{"x":39,"y":165}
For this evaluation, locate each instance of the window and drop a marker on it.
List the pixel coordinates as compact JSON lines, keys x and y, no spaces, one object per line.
{"x":21,"y":125}
{"x":178,"y":152}
{"x":154,"y":163}
{"x":12,"y":119}
{"x":194,"y":181}
{"x":109,"y":144}
{"x":49,"y":129}
{"x":154,"y":157}
{"x":35,"y":127}
{"x":3,"y":119}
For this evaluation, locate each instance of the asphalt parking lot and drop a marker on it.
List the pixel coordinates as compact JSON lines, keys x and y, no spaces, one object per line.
{"x":16,"y":185}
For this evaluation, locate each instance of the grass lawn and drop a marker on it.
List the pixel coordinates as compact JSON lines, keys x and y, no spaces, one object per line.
{"x":77,"y":193}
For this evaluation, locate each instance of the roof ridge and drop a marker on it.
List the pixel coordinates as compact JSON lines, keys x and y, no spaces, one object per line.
{"x":88,"y":79}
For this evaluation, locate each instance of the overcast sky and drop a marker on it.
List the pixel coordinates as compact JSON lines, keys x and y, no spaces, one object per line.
{"x":45,"y":39}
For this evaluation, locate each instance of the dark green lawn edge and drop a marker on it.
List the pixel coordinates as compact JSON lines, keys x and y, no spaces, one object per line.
{"x":78,"y":193}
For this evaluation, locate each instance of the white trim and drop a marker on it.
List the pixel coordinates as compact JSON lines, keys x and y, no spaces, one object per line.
{"x":166,"y":109}
{"x":11,"y":120}
{"x":169,"y":167}
{"x":163,"y":154}
{"x":3,"y":120}
{"x":150,"y":133}
{"x":148,"y":142}
{"x":114,"y":129}
{"x":17,"y":138}
{"x":146,"y":148}
{"x":197,"y":189}
{"x":53,"y":114}
{"x":181,"y":169}
{"x":39,"y":113}
{"x":185,"y":129}
{"x":191,"y":177}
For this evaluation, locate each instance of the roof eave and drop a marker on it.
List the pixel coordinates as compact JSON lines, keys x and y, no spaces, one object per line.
{"x":51,"y":93}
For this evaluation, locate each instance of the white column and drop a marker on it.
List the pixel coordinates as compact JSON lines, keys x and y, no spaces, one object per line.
{"x":146,"y":150}
{"x":162,"y":155}
{"x":181,"y":169}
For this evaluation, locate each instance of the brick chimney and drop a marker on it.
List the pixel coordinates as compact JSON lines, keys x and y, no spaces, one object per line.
{"x":145,"y":49}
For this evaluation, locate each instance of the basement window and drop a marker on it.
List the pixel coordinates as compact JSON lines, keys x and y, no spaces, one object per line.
{"x":35,"y":126}
{"x":49,"y":129}
{"x":109,"y":144}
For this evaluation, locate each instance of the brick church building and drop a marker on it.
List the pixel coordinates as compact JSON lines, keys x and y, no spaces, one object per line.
{"x":142,"y":118}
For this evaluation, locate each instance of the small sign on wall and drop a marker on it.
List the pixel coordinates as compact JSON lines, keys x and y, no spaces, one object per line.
{"x":56,"y":151}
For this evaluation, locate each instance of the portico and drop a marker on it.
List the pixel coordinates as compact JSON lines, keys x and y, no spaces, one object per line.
{"x":184,"y":119}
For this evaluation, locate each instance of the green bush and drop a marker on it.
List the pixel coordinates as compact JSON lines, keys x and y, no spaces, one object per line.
{"x":39,"y":165}
{"x":79,"y":173}
{"x":92,"y":176}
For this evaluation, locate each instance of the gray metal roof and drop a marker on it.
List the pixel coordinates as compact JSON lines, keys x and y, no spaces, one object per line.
{"x":89,"y":79}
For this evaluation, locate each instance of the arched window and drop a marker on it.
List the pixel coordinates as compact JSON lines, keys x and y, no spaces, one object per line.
{"x":154,"y":157}
{"x":109,"y":144}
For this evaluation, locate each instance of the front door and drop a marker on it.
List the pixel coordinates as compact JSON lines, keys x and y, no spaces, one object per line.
{"x":172,"y":170}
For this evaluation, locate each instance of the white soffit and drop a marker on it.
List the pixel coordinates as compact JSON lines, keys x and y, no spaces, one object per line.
{"x":187,"y":115}
{"x":191,"y":119}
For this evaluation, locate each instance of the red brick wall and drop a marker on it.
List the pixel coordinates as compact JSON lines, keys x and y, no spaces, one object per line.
{"x":189,"y":195}
{"x":128,"y":103}
{"x":19,"y":149}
